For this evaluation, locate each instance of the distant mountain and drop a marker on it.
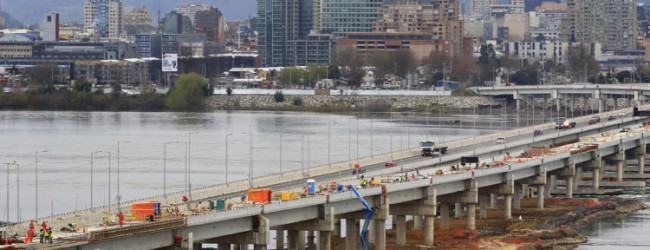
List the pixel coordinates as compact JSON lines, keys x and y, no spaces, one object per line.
{"x":32,"y":11}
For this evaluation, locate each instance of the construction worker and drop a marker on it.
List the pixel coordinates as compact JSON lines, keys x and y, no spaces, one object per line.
{"x":120,"y":217}
{"x":50,"y":234}
{"x":42,"y":234}
{"x":29,"y":236}
{"x":44,"y":226}
{"x":47,"y":235}
{"x":364,"y":183}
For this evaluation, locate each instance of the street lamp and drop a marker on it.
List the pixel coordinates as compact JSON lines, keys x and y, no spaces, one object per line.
{"x":36,"y":178}
{"x":119,"y":197}
{"x":227,"y":158}
{"x":91,"y":177}
{"x":165,"y":165}
{"x":189,"y":163}
{"x":7,"y":222}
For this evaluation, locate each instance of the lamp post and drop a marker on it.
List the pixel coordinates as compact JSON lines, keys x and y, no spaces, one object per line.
{"x":189,"y":163}
{"x":165,"y":165}
{"x":357,"y":119}
{"x":227,"y":158}
{"x":36,"y":187}
{"x":371,"y":121}
{"x":91,"y":178}
{"x":119,"y":197}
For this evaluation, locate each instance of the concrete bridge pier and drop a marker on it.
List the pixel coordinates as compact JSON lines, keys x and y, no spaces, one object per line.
{"x":507,"y":190}
{"x":300,"y":240}
{"x":620,"y":165}
{"x":226,"y":246}
{"x":418,"y":222}
{"x":444,"y":216}
{"x":371,"y":231}
{"x":400,"y":230}
{"x":458,"y":210}
{"x":311,"y":240}
{"x":470,"y":198}
{"x":292,"y":239}
{"x":351,"y":233}
{"x":516,"y":202}
{"x":381,"y":214}
{"x":539,"y":182}
{"x":482,"y":200}
{"x":493,"y":201}
{"x":597,"y":165}
{"x":279,"y":239}
{"x":297,"y":231}
{"x":569,"y":174}
{"x":425,"y":207}
{"x":641,"y":152}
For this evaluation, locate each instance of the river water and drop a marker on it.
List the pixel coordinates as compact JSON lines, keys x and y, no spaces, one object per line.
{"x":150,"y":143}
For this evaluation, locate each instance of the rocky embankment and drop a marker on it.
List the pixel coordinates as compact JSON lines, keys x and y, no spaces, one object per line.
{"x":344,"y":103}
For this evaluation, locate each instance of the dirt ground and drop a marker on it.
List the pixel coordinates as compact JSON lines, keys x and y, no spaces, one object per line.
{"x":534,"y":231}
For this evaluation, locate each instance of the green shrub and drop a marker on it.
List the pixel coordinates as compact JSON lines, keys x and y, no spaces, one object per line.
{"x":278,"y":96}
{"x":297,"y":101}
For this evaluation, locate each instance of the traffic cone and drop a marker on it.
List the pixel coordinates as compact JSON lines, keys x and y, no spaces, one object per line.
{"x":6,"y":241}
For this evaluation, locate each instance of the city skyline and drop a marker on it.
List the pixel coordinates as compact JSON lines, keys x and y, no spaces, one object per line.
{"x":72,"y":10}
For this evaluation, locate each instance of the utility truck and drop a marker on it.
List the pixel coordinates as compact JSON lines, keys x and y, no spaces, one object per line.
{"x":428,"y":148}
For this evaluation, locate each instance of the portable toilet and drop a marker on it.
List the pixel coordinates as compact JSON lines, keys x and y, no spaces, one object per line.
{"x":311,"y":186}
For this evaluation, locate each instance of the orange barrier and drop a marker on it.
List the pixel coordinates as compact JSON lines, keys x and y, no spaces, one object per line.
{"x":260,"y":195}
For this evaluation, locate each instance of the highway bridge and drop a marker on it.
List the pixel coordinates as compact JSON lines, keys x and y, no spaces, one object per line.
{"x":251,"y":224}
{"x":594,"y":96}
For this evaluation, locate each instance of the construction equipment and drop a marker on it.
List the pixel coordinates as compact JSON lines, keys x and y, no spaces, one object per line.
{"x":364,"y":230}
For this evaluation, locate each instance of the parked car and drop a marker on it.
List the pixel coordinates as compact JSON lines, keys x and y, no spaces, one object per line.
{"x":594,"y":119}
{"x":502,"y":140}
{"x":611,"y":117}
{"x":389,"y":164}
{"x":538,"y":132}
{"x":559,"y":121}
{"x":568,"y":124}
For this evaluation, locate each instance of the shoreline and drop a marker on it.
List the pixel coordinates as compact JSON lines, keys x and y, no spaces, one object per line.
{"x":554,"y":227}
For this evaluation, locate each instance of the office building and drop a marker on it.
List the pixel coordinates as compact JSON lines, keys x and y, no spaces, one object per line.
{"x":103,"y":17}
{"x":367,"y":44}
{"x":138,"y":21}
{"x":211,"y":23}
{"x":340,"y":17}
{"x":190,"y":10}
{"x":612,"y":23}
{"x":438,"y":17}
{"x":176,"y":23}
{"x":50,"y":27}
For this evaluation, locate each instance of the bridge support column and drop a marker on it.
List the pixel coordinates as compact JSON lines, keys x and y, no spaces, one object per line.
{"x":550,"y":185}
{"x":429,"y":203}
{"x":351,"y":233}
{"x":300,"y":241}
{"x":518,"y":104}
{"x":470,"y":198}
{"x":597,"y":164}
{"x":507,"y":210}
{"x":557,"y":104}
{"x":400,"y":221}
{"x":337,"y":227}
{"x":540,"y":196}
{"x":458,"y":210}
{"x":640,"y":152}
{"x":371,"y":231}
{"x":517,"y":196}
{"x":418,"y":222}
{"x":311,"y":240}
{"x":482,"y":200}
{"x":324,"y":240}
{"x":381,"y":214}
{"x":493,"y":201}
{"x":620,"y":165}
{"x":444,"y":216}
{"x":601,"y":104}
{"x":242,"y":247}
{"x":225,"y":246}
{"x":292,"y":239}
{"x":279,"y":239}
{"x":525,"y":191}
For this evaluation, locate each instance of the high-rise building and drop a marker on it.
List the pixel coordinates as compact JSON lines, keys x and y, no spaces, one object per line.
{"x":284,"y":36}
{"x":612,"y":23}
{"x":437,"y":17}
{"x":211,"y":23}
{"x":50,"y":27}
{"x":189,"y":10}
{"x":481,"y":8}
{"x":176,"y":23}
{"x":103,"y":17}
{"x":340,"y":17}
{"x":137,"y":21}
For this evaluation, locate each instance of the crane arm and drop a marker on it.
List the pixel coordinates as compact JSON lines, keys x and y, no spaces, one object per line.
{"x":364,"y":230}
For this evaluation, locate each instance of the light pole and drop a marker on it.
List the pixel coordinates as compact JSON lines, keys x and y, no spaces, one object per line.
{"x":189,"y":163}
{"x":371,"y":121}
{"x":7,"y":222}
{"x":250,"y":155}
{"x":227,"y":158}
{"x":350,"y":145}
{"x":36,"y":178}
{"x":91,"y":178}
{"x":281,"y":135}
{"x":357,"y":119}
{"x":165,"y":165}
{"x":119,"y":197}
